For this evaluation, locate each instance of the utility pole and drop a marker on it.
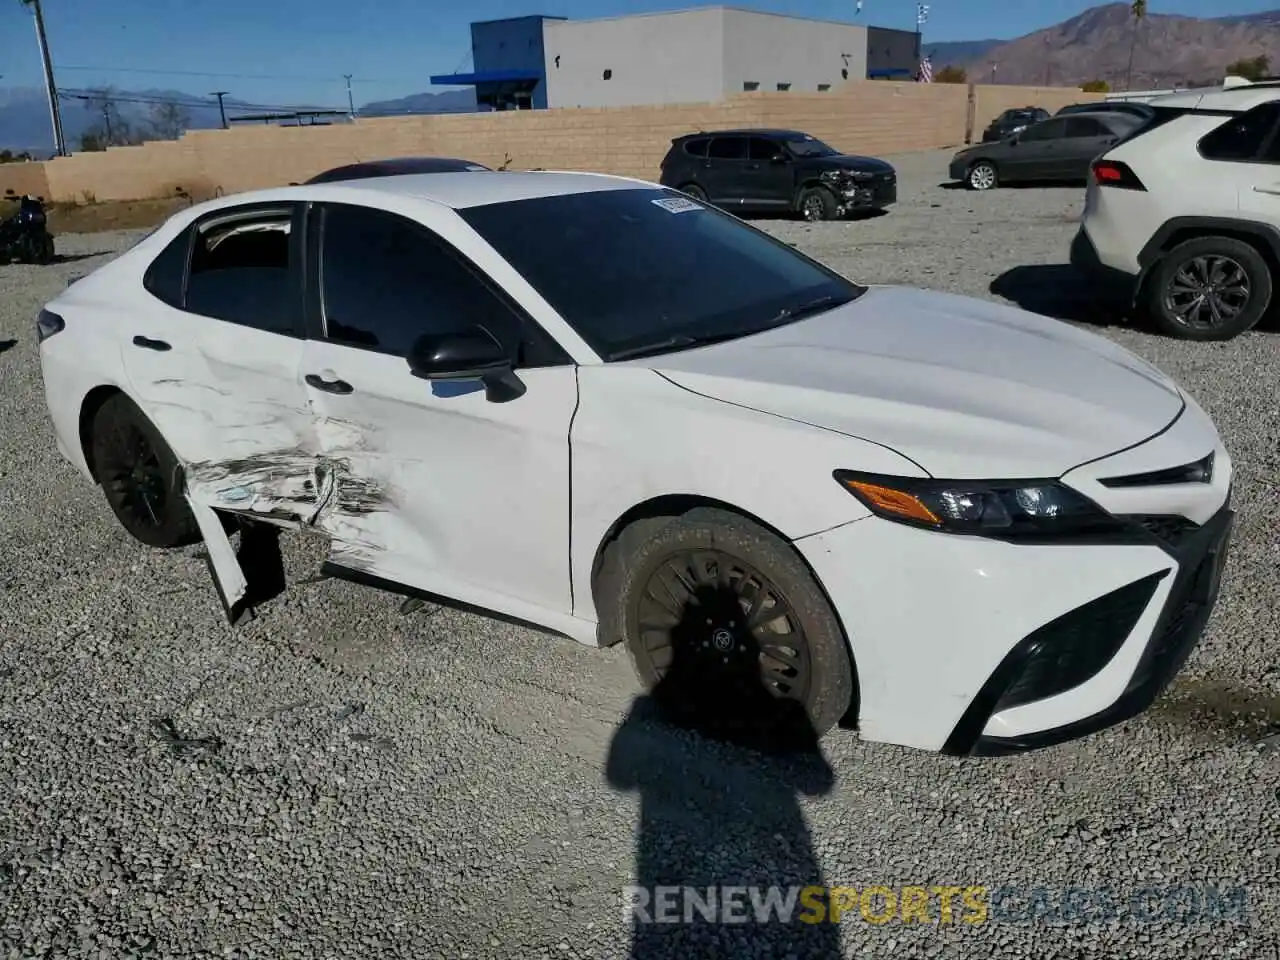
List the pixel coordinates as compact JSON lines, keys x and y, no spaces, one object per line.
{"x":51,"y":88}
{"x":351,"y":103}
{"x":922,"y":16}
{"x":221,"y":107}
{"x":106,"y":120}
{"x":993,"y":72}
{"x":1046,"y":60}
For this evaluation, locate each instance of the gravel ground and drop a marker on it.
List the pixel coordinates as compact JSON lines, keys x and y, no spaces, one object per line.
{"x":339,"y":778}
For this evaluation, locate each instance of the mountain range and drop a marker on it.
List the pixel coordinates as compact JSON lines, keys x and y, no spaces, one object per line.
{"x":1095,"y":45}
{"x":1169,"y":50}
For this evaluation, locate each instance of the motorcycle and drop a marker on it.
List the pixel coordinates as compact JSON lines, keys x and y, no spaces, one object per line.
{"x":25,"y":236}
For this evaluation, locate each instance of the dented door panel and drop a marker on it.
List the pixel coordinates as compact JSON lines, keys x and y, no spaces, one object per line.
{"x":438,"y":488}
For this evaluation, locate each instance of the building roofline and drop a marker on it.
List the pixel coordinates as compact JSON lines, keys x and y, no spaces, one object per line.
{"x":708,"y":8}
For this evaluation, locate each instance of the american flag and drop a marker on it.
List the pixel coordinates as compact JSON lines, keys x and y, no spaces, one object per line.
{"x":926,"y":71}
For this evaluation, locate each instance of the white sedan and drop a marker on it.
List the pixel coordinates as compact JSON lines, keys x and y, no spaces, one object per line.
{"x":594,"y":405}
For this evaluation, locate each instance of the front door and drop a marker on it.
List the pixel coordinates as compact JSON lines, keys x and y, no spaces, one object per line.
{"x":766,"y":179}
{"x":1038,"y":152}
{"x":431,"y":484}
{"x":213,"y":357}
{"x":726,"y":164}
{"x":1086,"y":139}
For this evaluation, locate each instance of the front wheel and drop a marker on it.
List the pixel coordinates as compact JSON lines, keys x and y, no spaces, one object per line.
{"x":140,"y":476}
{"x":818,"y":203}
{"x":727,"y":629}
{"x":982,"y":176}
{"x":1210,"y":288}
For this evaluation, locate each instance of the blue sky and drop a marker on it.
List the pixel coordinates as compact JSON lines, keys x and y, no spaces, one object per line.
{"x":290,"y":51}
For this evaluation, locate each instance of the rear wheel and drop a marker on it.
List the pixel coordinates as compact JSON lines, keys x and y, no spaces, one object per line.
{"x":140,"y":476}
{"x":1209,"y":288}
{"x":694,"y":192}
{"x":727,"y":629}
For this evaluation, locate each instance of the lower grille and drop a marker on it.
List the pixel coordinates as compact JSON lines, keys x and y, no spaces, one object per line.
{"x":1073,"y":648}
{"x":1171,"y":530}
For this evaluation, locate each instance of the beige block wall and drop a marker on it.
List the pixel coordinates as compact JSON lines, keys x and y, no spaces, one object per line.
{"x":23,"y":179}
{"x":872,"y":117}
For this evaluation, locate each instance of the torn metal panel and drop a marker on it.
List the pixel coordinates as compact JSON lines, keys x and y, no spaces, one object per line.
{"x":227,"y":576}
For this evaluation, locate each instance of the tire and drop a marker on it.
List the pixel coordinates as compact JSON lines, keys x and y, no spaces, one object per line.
{"x":982,"y":176}
{"x":1240,"y":289}
{"x":47,"y":254}
{"x":140,"y":476}
{"x":715,"y":677}
{"x":817,"y":203}
{"x":694,"y":192}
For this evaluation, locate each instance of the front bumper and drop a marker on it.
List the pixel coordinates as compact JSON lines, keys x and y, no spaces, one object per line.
{"x":959,"y":168}
{"x":970,"y":645}
{"x":872,"y":194}
{"x":1181,"y":620}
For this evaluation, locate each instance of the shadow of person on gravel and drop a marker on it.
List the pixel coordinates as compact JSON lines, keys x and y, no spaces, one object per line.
{"x":1060,"y":291}
{"x":719,"y":789}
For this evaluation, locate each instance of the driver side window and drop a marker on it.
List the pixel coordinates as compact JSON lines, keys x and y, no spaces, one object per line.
{"x":386,"y":281}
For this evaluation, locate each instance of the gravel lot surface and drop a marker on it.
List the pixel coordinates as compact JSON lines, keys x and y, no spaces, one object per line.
{"x":341,"y":779}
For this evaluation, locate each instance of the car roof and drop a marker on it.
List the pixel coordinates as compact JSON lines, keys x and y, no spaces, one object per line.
{"x":1236,"y":99}
{"x":750,"y":132}
{"x":396,"y":166}
{"x":1114,"y":116}
{"x":455,"y":190}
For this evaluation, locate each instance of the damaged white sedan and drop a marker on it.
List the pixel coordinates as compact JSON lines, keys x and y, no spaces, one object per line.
{"x":597,"y":406}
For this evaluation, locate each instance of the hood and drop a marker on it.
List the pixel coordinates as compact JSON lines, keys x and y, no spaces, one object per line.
{"x":849,"y":162}
{"x":966,"y":388}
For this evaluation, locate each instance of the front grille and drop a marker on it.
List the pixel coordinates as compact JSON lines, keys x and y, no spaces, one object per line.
{"x":1171,"y":530}
{"x":1073,"y":648}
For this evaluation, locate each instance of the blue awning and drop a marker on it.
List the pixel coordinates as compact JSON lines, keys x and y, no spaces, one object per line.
{"x":487,"y":76}
{"x":884,"y":72}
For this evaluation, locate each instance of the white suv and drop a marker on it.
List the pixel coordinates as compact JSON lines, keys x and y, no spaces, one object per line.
{"x":1185,"y":212}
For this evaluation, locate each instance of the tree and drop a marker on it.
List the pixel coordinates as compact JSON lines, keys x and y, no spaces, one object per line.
{"x":1096,"y":86}
{"x":951,"y":74}
{"x":113,"y":130}
{"x":169,"y":120}
{"x":1251,"y":68}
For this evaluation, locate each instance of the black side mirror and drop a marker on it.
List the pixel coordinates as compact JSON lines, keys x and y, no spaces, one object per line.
{"x":471,"y":354}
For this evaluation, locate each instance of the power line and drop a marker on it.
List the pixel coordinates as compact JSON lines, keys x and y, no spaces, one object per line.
{"x":189,"y":102}
{"x":203,"y":73}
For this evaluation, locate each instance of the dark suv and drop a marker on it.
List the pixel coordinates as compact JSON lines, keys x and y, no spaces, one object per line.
{"x":777,"y":170}
{"x":1013,"y":121}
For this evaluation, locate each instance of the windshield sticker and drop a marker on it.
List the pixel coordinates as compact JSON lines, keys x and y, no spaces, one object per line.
{"x":676,"y":204}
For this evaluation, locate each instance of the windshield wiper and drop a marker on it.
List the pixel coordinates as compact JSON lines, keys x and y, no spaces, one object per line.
{"x":808,"y":308}
{"x":676,"y":342}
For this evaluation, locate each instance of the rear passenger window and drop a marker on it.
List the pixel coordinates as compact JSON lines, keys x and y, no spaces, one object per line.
{"x":696,"y":148}
{"x":240,"y":271}
{"x":164,"y":277}
{"x":728,"y":148}
{"x":761,"y":149}
{"x":1085,"y":127}
{"x":1242,"y":137}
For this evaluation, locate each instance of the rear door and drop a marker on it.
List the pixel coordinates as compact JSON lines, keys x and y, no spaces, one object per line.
{"x":213,"y":359}
{"x":1243,"y":155}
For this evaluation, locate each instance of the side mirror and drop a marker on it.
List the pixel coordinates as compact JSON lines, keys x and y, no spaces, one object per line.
{"x":471,"y":354}
{"x":780,"y":158}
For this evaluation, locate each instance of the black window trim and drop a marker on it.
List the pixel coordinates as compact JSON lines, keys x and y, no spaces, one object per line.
{"x":1264,"y":145}
{"x":531,"y":329}
{"x":246,"y":211}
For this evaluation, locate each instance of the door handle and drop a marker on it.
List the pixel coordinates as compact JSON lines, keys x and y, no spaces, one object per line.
{"x":1274,"y":190}
{"x":150,"y":344}
{"x":328,"y":386}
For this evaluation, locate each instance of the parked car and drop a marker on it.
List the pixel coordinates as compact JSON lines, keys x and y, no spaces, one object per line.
{"x":397,"y":167}
{"x":607,"y":409}
{"x":1013,"y":121}
{"x":1183,"y":217}
{"x":1059,"y":149}
{"x":762,"y":171}
{"x":1140,"y":110}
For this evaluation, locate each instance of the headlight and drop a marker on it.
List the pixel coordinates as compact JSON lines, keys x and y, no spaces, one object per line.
{"x":1001,"y":508}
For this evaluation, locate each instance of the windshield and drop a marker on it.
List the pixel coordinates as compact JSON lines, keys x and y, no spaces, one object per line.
{"x":809,"y":147}
{"x":648,"y":270}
